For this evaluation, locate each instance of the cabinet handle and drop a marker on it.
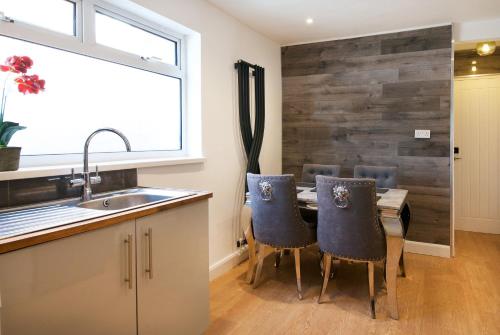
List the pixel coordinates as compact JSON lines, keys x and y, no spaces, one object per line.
{"x":128,"y":242}
{"x":149,"y":269}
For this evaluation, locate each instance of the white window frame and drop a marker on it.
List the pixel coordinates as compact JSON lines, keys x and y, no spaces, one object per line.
{"x":84,"y":43}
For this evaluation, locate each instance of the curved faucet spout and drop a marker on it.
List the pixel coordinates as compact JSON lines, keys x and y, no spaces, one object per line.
{"x":87,"y":143}
{"x":87,"y":180}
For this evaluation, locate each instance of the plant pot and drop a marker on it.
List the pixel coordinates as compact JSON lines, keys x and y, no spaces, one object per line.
{"x":9,"y":158}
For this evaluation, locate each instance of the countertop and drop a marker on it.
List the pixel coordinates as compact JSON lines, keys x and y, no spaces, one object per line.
{"x":30,"y":239}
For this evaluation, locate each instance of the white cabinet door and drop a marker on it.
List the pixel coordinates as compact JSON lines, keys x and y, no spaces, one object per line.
{"x":174,"y":300}
{"x":74,"y":285}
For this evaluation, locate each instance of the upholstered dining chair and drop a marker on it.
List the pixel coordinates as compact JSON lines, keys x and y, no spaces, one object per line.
{"x":385,"y":176}
{"x":310,"y":171}
{"x":276,"y":220}
{"x":348,"y":226}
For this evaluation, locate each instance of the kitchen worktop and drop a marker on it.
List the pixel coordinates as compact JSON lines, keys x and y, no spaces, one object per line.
{"x":46,"y":235}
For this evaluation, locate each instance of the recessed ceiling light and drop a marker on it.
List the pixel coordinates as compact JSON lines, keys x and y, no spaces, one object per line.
{"x":485,"y":48}
{"x":309,"y":20}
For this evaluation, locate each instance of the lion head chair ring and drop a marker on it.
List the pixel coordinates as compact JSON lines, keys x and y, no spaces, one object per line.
{"x":341,"y":196}
{"x":266,"y":190}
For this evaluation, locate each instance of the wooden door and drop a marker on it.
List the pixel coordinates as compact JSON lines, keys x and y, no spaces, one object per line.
{"x":75,"y":285}
{"x":172,"y":271}
{"x":477,"y":165}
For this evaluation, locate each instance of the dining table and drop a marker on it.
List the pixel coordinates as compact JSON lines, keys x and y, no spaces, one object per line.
{"x":390,"y":204}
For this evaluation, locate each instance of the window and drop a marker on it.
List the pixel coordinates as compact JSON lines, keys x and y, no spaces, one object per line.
{"x":84,"y":94}
{"x":61,"y":18}
{"x":123,"y":36}
{"x":125,"y":73}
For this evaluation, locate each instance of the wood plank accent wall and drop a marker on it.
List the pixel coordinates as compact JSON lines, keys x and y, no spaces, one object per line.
{"x":358,"y":101}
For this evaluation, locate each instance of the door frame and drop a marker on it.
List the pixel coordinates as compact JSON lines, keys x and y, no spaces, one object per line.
{"x":452,"y":145}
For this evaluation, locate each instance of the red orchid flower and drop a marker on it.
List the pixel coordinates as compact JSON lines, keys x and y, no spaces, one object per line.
{"x":30,"y":84}
{"x":17,"y":64}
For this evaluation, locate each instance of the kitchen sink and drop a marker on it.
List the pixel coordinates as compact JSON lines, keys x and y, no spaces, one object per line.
{"x":28,"y":219}
{"x":124,"y":201}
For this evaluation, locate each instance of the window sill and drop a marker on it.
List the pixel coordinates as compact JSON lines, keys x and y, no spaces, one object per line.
{"x":54,"y":170}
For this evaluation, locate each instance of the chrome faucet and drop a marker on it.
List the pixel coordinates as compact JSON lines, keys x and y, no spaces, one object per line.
{"x":87,"y":181}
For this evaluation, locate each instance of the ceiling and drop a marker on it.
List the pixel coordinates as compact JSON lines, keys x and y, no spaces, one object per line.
{"x":285,"y":20}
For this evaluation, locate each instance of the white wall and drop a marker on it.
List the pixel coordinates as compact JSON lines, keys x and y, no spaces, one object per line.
{"x":224,"y":40}
{"x":477,"y":30}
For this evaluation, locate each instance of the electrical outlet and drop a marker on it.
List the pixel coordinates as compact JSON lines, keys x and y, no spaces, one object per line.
{"x":241,"y":242}
{"x":422,"y":133}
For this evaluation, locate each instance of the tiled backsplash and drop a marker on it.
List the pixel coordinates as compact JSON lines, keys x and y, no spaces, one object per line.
{"x":28,"y":191}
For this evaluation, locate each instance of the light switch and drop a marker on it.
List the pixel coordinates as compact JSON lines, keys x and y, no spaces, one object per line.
{"x":422,"y":133}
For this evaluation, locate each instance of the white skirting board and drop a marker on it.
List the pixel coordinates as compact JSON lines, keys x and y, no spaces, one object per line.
{"x":430,"y":249}
{"x":230,"y":261}
{"x":478,"y":225}
{"x":227,"y":263}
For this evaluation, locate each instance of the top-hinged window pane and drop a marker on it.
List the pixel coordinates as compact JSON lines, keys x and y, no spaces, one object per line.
{"x":56,"y":15}
{"x":121,"y":35}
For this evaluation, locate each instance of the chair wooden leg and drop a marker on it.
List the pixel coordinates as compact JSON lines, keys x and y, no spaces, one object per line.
{"x":251,"y":254}
{"x":263,"y":252}
{"x":371,"y":283}
{"x":297,"y":271}
{"x":327,"y":263}
{"x":402,"y":265}
{"x":320,"y":263}
{"x":277,"y":259}
{"x":332,"y":269}
{"x":385,"y":272}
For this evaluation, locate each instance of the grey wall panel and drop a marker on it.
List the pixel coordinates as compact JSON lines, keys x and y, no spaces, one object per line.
{"x":359,"y":101}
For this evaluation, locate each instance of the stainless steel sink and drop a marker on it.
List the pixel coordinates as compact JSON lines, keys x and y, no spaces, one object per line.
{"x":28,"y":219}
{"x":124,"y":201}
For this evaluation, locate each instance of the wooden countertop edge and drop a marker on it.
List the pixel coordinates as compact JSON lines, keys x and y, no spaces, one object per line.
{"x":47,"y":235}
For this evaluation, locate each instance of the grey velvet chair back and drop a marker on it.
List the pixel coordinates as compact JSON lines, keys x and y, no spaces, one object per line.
{"x":385,"y":176}
{"x":310,"y":171}
{"x":276,"y":218}
{"x":348,"y":224}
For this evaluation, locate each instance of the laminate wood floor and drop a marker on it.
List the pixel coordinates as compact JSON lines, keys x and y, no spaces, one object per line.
{"x":460,"y":295}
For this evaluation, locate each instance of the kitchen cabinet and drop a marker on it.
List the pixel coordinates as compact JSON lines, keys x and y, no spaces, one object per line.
{"x":74,"y":285}
{"x":99,"y":282}
{"x":172,"y":271}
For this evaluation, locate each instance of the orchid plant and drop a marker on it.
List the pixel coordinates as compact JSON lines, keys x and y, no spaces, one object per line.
{"x":26,"y":84}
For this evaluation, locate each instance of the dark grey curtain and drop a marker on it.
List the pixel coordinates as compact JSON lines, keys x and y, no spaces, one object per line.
{"x":251,"y":142}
